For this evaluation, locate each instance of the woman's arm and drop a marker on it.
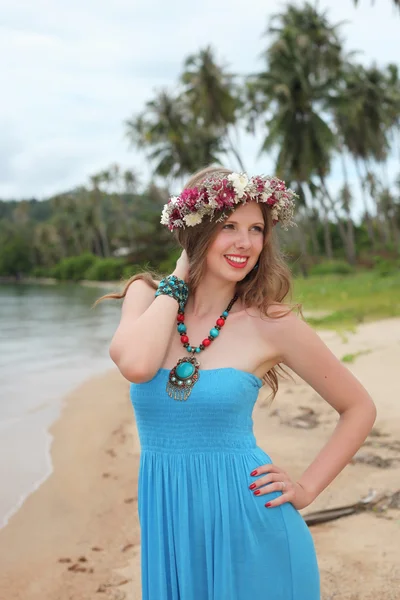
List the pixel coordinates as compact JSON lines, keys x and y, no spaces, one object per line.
{"x":303,"y":351}
{"x":143,"y":335}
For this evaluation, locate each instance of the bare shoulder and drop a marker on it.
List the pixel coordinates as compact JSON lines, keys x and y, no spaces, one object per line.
{"x":278,"y":314}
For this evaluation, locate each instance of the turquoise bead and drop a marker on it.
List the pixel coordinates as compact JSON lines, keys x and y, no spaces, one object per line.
{"x":225,"y":313}
{"x":189,"y":348}
{"x":185,"y":370}
{"x":198,"y":350}
{"x":214,"y":332}
{"x":181,"y":328}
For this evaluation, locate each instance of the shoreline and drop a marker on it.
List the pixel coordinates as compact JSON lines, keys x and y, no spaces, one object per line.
{"x":53,"y":281}
{"x":78,"y":533}
{"x":35,"y":486}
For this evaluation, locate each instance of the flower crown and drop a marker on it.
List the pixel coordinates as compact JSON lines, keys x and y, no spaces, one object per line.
{"x":220,"y":192}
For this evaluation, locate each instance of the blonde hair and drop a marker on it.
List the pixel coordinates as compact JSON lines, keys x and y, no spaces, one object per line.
{"x":270,"y":284}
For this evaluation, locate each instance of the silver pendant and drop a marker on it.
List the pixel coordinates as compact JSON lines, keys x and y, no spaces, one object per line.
{"x":182,"y":378}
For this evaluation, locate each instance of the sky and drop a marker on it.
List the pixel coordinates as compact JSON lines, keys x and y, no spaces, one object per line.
{"x":73,"y":72}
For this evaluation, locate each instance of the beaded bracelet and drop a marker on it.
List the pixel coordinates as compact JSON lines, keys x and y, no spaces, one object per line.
{"x":174,"y":287}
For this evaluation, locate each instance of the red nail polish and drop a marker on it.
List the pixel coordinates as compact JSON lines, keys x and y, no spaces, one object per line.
{"x":268,"y":504}
{"x":253,"y":472}
{"x":252,"y":486}
{"x":256,"y":492}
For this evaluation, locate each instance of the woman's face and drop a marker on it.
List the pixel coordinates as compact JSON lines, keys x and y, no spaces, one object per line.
{"x":238,"y":243}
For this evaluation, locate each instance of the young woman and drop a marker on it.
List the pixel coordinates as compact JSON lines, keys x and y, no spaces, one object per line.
{"x":219,"y":519}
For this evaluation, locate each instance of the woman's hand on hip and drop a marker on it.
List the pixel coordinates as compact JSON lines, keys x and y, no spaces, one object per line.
{"x":275,"y":479}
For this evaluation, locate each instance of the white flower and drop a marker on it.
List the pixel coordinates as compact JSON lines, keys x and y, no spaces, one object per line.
{"x":275,"y":214}
{"x":192,"y":219}
{"x":239,"y":182}
{"x":173,"y":200}
{"x":165,"y":215}
{"x":266,"y":195}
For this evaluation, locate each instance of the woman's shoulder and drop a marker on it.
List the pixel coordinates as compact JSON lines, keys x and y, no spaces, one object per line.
{"x":276,"y":311}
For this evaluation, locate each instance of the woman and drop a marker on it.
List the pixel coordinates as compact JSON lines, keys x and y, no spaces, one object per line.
{"x":219,"y":520}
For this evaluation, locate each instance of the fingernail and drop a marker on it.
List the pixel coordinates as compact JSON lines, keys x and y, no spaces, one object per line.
{"x":268,"y":504}
{"x":253,"y":472}
{"x":252,"y":486}
{"x":256,"y":492}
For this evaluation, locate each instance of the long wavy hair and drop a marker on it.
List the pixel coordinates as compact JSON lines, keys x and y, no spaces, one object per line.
{"x":269,"y":284}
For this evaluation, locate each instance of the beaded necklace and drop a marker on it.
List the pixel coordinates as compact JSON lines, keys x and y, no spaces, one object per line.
{"x":185,"y":373}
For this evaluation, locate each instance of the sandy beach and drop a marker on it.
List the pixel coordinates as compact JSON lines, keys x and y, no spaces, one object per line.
{"x":77,"y":537}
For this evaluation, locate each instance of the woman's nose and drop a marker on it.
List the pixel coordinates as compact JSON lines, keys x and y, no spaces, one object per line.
{"x":243,"y":240}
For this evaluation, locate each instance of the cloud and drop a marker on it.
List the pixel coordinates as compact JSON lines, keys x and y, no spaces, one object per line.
{"x":74,"y":72}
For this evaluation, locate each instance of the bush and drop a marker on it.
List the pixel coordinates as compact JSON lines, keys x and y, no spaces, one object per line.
{"x":41,"y":272}
{"x":106,"y":269}
{"x":384,"y":267}
{"x":74,"y":268}
{"x":131,"y":270}
{"x":167,"y":266}
{"x":332,"y":267}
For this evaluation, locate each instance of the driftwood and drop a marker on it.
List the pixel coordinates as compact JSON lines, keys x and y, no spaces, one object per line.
{"x":373,"y":502}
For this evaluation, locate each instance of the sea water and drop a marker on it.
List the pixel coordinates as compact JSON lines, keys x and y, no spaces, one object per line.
{"x":51,"y":340}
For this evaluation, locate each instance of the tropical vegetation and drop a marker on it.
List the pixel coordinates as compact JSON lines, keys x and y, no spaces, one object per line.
{"x":314,"y":105}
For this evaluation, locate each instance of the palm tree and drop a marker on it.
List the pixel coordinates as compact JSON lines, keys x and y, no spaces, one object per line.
{"x":212,"y":96}
{"x":361,"y":111}
{"x":302,"y":65}
{"x":178,"y":144}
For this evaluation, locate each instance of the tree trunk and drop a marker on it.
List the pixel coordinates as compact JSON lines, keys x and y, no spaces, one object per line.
{"x":370,"y":229}
{"x":304,"y":258}
{"x":342,"y":232}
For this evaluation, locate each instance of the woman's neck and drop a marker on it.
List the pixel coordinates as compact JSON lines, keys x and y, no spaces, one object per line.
{"x":211,"y":300}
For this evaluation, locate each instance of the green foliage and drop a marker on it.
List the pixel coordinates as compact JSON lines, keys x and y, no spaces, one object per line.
{"x":106,"y":269}
{"x":41,"y":272}
{"x":384,"y":267}
{"x":74,"y":268}
{"x":332,"y":267}
{"x":167,"y":266}
{"x":131,"y":270}
{"x":347,"y":301}
{"x":350,"y":358}
{"x":15,"y":255}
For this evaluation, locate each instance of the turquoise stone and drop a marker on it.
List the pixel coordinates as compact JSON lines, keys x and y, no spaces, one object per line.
{"x":181,"y":328}
{"x":198,"y":350}
{"x":225,"y":313}
{"x":189,"y":348}
{"x":185,"y":370}
{"x":214,"y":332}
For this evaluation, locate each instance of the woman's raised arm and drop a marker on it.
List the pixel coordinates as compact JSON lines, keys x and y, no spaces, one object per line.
{"x":141,"y":340}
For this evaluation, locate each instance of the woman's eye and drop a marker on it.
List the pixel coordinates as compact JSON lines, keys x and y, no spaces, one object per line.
{"x":257,"y":227}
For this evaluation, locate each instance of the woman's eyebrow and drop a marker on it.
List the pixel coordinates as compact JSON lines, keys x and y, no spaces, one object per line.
{"x":256,"y":223}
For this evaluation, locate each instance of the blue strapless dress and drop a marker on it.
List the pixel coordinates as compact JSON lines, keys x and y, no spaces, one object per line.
{"x":204,"y":535}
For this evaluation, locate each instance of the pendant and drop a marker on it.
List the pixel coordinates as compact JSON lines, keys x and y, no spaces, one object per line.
{"x":182,"y":378}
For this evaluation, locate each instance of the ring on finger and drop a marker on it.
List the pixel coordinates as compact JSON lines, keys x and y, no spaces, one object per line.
{"x":283,"y":485}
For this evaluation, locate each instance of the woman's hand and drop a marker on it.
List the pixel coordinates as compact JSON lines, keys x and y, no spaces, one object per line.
{"x":182,"y":267}
{"x":279,"y":481}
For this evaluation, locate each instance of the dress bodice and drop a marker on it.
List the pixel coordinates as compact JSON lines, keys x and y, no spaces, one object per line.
{"x":216,"y":416}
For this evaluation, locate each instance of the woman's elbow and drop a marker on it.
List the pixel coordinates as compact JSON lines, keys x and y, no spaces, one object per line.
{"x":133,"y":370}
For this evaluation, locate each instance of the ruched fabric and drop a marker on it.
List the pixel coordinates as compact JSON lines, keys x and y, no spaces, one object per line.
{"x":204,"y":534}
